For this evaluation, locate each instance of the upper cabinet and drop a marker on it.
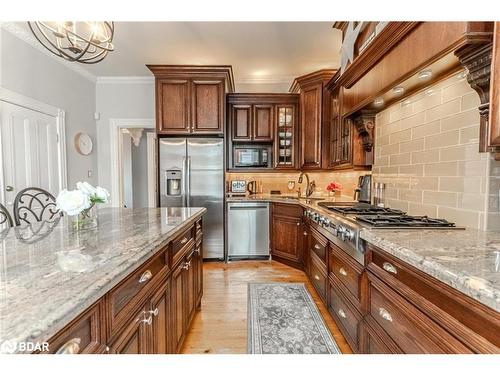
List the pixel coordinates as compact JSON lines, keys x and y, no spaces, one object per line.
{"x":190,"y":99}
{"x":270,"y":119}
{"x":314,"y":122}
{"x":494,"y":123}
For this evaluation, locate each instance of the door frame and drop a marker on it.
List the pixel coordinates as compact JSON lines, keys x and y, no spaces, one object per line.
{"x":115,"y":127}
{"x":20,"y":100}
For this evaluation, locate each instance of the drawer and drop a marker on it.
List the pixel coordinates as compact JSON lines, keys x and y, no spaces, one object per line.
{"x":318,"y":244}
{"x":199,"y":230}
{"x":181,"y":244}
{"x":286,"y":209}
{"x":345,"y":314}
{"x":409,"y":328}
{"x":133,"y":287}
{"x":371,"y":343}
{"x":346,"y":272}
{"x":85,"y":335}
{"x":318,"y":278}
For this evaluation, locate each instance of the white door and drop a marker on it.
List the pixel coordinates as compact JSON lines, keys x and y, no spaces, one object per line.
{"x":30,"y":153}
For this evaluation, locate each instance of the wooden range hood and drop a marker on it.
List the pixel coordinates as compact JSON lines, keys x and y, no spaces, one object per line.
{"x":401,"y":50}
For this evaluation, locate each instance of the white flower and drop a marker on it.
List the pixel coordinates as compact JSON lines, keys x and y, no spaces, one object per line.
{"x":86,"y":188}
{"x":102,"y":194}
{"x":72,"y":202}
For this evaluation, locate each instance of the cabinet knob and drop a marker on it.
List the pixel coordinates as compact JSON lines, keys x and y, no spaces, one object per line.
{"x":186,"y":265}
{"x":316,"y":277}
{"x":384,"y":314}
{"x":342,"y":271}
{"x":305,"y":233}
{"x":299,"y":223}
{"x":9,"y":188}
{"x":389,"y":268}
{"x":146,"y":276}
{"x":317,"y":247}
{"x":342,"y":313}
{"x":154,"y":312}
{"x":184,"y":240}
{"x":70,"y":347}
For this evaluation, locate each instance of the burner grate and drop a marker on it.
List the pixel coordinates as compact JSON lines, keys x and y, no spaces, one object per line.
{"x":359,"y":209}
{"x":404,"y":221}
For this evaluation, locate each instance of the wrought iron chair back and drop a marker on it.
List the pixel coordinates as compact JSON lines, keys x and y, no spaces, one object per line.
{"x":5,"y":217}
{"x":34,"y":204}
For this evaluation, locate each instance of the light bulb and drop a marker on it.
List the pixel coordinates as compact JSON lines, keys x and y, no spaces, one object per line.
{"x":425,"y":74}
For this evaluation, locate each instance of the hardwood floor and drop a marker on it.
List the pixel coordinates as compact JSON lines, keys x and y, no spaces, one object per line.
{"x":221,"y":325}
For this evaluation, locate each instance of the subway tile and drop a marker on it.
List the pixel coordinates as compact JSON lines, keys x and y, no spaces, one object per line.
{"x":381,"y":160}
{"x":411,"y":170}
{"x":428,"y":101}
{"x":456,"y":90}
{"x":441,"y":169}
{"x":423,"y":157}
{"x":462,"y":152}
{"x":390,"y":193}
{"x":472,"y":168}
{"x":382,"y":118}
{"x":422,"y":209}
{"x":383,"y":140}
{"x":397,"y":204}
{"x":401,"y":159}
{"x":493,"y":203}
{"x":460,"y":120}
{"x":424,"y":183}
{"x":493,"y":221}
{"x":401,"y":136}
{"x":390,"y":128}
{"x":460,"y":217}
{"x":461,"y":184}
{"x":442,"y":140}
{"x":389,"y":171}
{"x":406,"y":110}
{"x":413,"y":121}
{"x":470,"y":101}
{"x":415,"y":145}
{"x":410,"y":195}
{"x":469,"y":135}
{"x":471,"y":201}
{"x":426,"y":130}
{"x":442,"y":110}
{"x":440,"y":198}
{"x":395,"y":114}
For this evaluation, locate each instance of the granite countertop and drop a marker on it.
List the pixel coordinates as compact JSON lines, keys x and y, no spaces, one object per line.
{"x":467,"y":260}
{"x":49,"y":274}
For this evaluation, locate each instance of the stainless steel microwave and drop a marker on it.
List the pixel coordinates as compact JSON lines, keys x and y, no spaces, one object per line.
{"x":252,"y":156}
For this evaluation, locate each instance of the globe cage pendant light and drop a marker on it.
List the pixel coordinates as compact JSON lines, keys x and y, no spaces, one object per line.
{"x":84,"y":42}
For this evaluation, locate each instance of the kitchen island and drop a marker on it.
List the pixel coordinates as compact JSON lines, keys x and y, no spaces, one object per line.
{"x":84,"y":291}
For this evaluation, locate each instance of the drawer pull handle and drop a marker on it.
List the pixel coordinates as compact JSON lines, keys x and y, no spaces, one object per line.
{"x":146,"y":276}
{"x":184,"y":240}
{"x":305,"y":233}
{"x":154,"y":312}
{"x":298,"y":223}
{"x":342,"y":313}
{"x":147,"y":321}
{"x":197,"y":250}
{"x":389,"y":268}
{"x":70,"y":347}
{"x":186,"y":265}
{"x":342,"y":271}
{"x":384,"y":314}
{"x":316,"y":277}
{"x":317,"y":247}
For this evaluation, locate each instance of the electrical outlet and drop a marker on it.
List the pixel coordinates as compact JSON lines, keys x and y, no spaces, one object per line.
{"x":89,"y":173}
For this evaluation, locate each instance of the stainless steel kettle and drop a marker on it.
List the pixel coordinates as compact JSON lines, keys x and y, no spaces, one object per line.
{"x":363,"y":193}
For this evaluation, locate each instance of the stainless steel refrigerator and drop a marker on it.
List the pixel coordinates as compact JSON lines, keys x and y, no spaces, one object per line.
{"x":192,"y":175}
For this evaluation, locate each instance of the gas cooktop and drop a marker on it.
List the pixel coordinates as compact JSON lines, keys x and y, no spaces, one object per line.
{"x":405,"y":221}
{"x":350,"y":208}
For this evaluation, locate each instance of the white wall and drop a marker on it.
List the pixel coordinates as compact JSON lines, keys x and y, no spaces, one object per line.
{"x":27,"y":71}
{"x":140,"y":172}
{"x":119,"y":101}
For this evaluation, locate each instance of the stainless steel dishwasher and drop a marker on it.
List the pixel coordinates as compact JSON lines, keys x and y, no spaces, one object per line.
{"x":247,"y":230}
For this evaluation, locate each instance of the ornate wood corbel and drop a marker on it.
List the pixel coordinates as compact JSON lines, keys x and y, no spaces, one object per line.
{"x":364,"y":122}
{"x":476,"y":58}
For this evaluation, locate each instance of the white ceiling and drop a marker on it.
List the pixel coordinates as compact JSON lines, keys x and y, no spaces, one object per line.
{"x":265,"y":56}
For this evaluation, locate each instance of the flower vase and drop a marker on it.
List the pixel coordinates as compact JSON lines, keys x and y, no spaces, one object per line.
{"x":87,"y":219}
{"x":332,"y":193}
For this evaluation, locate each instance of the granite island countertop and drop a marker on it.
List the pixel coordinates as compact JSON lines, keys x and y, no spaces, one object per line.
{"x":467,"y":260}
{"x":49,"y":275}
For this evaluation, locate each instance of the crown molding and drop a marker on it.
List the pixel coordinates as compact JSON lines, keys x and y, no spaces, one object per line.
{"x":275,"y":79}
{"x":125,"y":80}
{"x":26,"y":37}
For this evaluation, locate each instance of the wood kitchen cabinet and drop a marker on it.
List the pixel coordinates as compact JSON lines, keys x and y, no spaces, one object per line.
{"x":315,"y":119}
{"x":252,"y":123}
{"x":191,"y":99}
{"x":241,"y":120}
{"x":286,"y":137}
{"x":287,"y":230}
{"x":493,"y":126}
{"x":135,"y":338}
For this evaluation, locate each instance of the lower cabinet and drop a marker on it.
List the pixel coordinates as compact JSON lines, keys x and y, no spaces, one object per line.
{"x":287,"y":230}
{"x":136,"y":337}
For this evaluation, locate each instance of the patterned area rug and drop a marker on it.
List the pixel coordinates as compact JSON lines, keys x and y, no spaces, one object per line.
{"x":283,"y":319}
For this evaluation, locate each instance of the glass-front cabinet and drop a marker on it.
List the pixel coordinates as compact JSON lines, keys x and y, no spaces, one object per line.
{"x":285,"y":137}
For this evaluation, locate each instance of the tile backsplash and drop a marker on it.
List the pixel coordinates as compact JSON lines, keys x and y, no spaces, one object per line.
{"x":279,"y":181}
{"x":427,"y":154}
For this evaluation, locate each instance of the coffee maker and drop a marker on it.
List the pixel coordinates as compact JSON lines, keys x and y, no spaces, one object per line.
{"x":363,"y":193}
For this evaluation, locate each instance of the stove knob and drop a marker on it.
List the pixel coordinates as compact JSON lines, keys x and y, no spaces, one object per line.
{"x":348,"y":235}
{"x":340,"y":232}
{"x":321,"y":220}
{"x":326,"y":222}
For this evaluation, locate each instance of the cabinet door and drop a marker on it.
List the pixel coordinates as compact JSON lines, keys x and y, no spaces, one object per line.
{"x":197,"y":264}
{"x":306,"y":240}
{"x":160,"y":323}
{"x":173,"y":112}
{"x":287,"y":233}
{"x":135,"y":338}
{"x":263,"y":120}
{"x":189,"y":289}
{"x":177,"y":307}
{"x":286,"y":140}
{"x":208,"y":106}
{"x":241,"y":120}
{"x":345,"y":137}
{"x":310,"y":126}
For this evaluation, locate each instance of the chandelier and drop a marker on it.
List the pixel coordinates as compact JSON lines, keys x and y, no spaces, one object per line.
{"x":84,"y":42}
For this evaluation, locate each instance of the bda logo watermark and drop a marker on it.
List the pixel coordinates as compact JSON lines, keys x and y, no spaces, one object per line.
{"x":9,"y":347}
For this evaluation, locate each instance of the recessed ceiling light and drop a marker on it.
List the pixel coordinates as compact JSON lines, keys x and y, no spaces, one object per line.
{"x":406,"y":102}
{"x":378,"y":102}
{"x":430,"y":92}
{"x":425,"y":74}
{"x":398,"y":90}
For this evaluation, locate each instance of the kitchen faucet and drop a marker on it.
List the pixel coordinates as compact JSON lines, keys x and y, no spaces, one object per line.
{"x":310,"y":186}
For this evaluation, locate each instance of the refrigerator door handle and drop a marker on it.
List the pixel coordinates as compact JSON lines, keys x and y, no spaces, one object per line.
{"x":183,"y":186}
{"x":188,"y":182}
